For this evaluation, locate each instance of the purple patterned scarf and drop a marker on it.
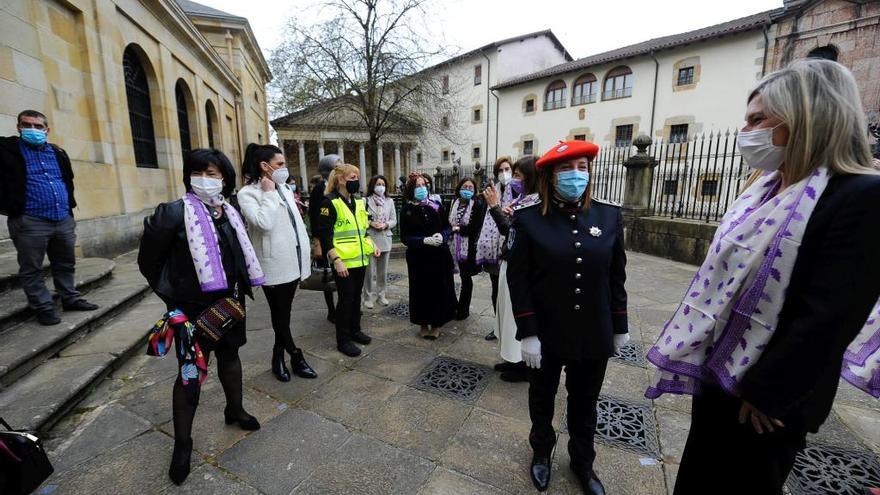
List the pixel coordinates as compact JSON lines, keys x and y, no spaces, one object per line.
{"x":490,"y":240}
{"x":732,"y":306}
{"x":205,"y":249}
{"x":460,"y":216}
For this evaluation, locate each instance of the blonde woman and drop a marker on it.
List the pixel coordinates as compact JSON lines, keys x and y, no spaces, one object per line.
{"x":778,"y":309}
{"x":342,"y":229}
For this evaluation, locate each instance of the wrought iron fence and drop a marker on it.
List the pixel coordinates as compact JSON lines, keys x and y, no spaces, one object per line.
{"x":609,"y":174}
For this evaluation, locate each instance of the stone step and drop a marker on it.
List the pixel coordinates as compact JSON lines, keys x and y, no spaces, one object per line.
{"x":6,"y":246}
{"x":29,"y":344}
{"x":90,"y":273}
{"x":47,"y":393}
{"x":9,"y":270}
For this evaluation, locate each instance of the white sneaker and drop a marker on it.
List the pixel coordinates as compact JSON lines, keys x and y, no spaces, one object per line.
{"x":383,"y":301}
{"x":368,"y":304}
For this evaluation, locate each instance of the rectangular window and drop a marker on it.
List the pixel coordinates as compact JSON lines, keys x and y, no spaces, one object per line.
{"x":476,"y":154}
{"x":418,"y":158}
{"x":528,"y":147}
{"x":445,"y":155}
{"x":478,"y":75}
{"x":530,"y":105}
{"x":477,"y":115}
{"x":623,"y":135}
{"x":678,"y":133}
{"x":444,"y":122}
{"x":709,"y":188}
{"x":685,"y":76}
{"x":580,"y":137}
{"x":670,"y":187}
{"x":445,"y":85}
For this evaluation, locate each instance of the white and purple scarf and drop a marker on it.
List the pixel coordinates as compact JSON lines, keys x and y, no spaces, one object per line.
{"x":204,"y":246}
{"x":460,"y":217}
{"x":732,"y":306}
{"x":377,"y":204}
{"x":490,"y":240}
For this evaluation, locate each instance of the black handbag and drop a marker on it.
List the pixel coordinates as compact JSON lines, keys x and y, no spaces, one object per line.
{"x":321,"y":279}
{"x":24,"y":465}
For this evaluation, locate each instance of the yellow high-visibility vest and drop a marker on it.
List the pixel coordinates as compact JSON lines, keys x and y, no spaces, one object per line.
{"x":350,"y":234}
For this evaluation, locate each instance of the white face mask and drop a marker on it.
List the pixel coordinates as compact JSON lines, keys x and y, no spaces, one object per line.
{"x":758,"y":150}
{"x":505,"y":177}
{"x":280,"y":175}
{"x":207,"y":189}
{"x":379,"y":190}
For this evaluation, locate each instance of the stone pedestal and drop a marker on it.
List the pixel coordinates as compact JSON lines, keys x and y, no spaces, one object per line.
{"x":639,"y":179}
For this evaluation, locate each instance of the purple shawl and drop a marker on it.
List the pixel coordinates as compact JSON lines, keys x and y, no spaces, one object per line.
{"x":460,"y":217}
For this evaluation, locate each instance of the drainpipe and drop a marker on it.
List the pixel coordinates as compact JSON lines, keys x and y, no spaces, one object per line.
{"x":488,"y":82}
{"x":497,"y":119}
{"x":766,"y":49}
{"x":654,"y":100}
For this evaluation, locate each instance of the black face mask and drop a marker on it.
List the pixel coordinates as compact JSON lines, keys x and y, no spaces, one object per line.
{"x":353,"y":186}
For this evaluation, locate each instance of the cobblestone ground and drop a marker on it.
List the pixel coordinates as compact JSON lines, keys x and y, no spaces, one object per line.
{"x":370,"y":425}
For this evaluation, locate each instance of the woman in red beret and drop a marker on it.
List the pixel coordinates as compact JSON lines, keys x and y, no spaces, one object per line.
{"x":566,"y":273}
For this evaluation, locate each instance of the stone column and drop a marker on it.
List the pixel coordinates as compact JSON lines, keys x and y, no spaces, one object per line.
{"x":303,"y":173}
{"x":340,"y":146}
{"x":320,"y":149}
{"x":380,"y":159}
{"x":396,"y":179}
{"x":639,"y":179}
{"x":411,"y":161}
{"x":362,"y":162}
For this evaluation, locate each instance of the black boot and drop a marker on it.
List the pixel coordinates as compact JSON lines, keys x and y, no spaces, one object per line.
{"x":540,"y":472}
{"x":180,"y":460}
{"x":491,"y":336}
{"x":348,"y":348}
{"x":588,"y":479}
{"x":299,"y":365}
{"x":245,"y":421}
{"x":279,"y":369}
{"x":360,"y":337}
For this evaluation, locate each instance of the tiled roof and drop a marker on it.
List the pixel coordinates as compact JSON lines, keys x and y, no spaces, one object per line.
{"x":194,"y":8}
{"x":731,"y":27}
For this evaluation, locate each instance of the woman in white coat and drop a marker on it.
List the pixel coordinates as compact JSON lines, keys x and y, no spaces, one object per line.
{"x":281,"y":243}
{"x":383,"y":218}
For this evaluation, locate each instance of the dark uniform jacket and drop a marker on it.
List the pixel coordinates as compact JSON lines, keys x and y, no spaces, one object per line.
{"x":834,"y":284}
{"x":566,"y":283}
{"x":13,"y":176}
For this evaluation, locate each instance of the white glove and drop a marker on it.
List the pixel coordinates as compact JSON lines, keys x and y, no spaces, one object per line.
{"x":620,"y":340}
{"x":439,"y":238}
{"x":531,"y":352}
{"x":431,"y":241}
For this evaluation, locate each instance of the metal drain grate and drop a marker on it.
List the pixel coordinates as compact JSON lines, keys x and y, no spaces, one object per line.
{"x":453,"y":378}
{"x":394,"y":276}
{"x":821,"y":469}
{"x":627,"y":425}
{"x":632,"y":353}
{"x":398,"y":309}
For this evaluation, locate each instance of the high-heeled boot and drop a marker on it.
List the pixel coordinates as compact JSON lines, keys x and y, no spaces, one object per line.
{"x":299,"y":365}
{"x":279,"y":368}
{"x":245,"y":421}
{"x":180,"y":461}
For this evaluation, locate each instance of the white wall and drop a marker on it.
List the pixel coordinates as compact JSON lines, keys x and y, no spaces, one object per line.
{"x":524,"y":57}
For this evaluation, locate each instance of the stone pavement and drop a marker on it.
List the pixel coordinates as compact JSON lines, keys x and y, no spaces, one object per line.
{"x":373,"y":425}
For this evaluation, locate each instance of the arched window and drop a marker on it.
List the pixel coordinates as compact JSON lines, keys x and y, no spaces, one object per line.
{"x":213,"y":125}
{"x":618,"y":83}
{"x":555,"y":96}
{"x":827,"y":52}
{"x":181,"y":96}
{"x":584,"y":90}
{"x":140,"y":111}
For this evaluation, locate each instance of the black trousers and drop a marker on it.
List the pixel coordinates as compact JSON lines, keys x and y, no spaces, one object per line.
{"x":34,"y":239}
{"x":583,"y":381}
{"x":464,"y":297}
{"x":722,"y":456}
{"x":494,"y":278}
{"x":280,"y":298}
{"x":328,"y":294}
{"x":348,"y":310}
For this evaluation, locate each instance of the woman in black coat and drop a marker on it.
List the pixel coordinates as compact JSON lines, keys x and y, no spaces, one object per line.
{"x":425,"y":230}
{"x":166,"y":260}
{"x":466,"y":217}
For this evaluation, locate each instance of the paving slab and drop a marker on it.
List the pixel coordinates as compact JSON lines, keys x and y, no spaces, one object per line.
{"x":152,"y":402}
{"x":864,"y":422}
{"x":673,"y":431}
{"x":476,"y":350}
{"x":625,"y":381}
{"x":285,"y":451}
{"x":512,"y":400}
{"x":297,"y":388}
{"x":351,"y":398}
{"x":367,"y":466}
{"x":446,"y":482}
{"x":209,"y":480}
{"x":621,"y":472}
{"x":395,"y":362}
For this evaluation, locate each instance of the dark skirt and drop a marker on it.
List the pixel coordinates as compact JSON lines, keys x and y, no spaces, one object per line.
{"x":234,"y":338}
{"x":431,"y":286}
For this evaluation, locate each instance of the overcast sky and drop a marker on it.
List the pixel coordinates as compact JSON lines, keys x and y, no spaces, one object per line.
{"x":585,"y":27}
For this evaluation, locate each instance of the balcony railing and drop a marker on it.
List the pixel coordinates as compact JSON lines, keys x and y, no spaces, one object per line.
{"x":617,"y":93}
{"x":554,"y":104}
{"x":583,"y":99}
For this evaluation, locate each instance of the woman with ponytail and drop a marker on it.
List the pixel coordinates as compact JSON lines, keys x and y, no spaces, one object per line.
{"x":281,"y":242}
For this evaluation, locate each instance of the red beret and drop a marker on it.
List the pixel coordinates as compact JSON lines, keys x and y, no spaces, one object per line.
{"x":567,"y":150}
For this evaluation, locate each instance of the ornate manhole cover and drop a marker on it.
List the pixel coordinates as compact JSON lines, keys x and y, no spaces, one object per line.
{"x":632,"y":353}
{"x":398,"y":309}
{"x":394,"y":277}
{"x":453,"y":378}
{"x":627,"y":425}
{"x":822,"y":469}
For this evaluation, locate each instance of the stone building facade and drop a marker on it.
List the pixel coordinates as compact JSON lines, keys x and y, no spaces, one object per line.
{"x":128,"y":86}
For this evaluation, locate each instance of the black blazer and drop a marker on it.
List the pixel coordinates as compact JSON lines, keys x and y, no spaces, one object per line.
{"x":567,"y":285}
{"x":13,"y":176}
{"x":834,"y":285}
{"x":164,"y":259}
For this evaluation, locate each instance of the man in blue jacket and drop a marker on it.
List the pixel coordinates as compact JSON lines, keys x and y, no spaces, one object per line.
{"x":36,"y":193}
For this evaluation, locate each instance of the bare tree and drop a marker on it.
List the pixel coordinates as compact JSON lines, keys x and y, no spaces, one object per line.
{"x":365,"y":62}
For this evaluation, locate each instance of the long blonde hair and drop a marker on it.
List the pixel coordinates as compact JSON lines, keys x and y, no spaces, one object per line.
{"x":336,"y":181}
{"x":818,"y":100}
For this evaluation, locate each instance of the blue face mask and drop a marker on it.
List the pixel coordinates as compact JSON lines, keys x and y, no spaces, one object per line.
{"x":466,"y":194}
{"x":292,"y":187}
{"x":571,"y":184}
{"x":33,"y":137}
{"x":421,"y":193}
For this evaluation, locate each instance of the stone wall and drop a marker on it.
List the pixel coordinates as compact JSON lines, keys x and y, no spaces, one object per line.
{"x":686,"y":241}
